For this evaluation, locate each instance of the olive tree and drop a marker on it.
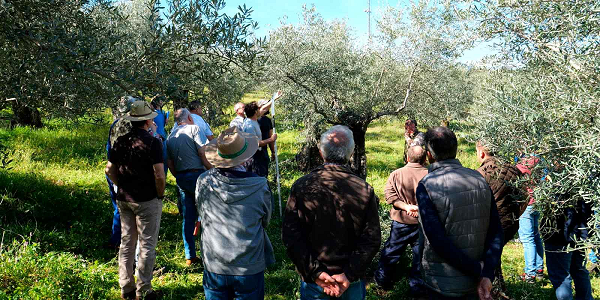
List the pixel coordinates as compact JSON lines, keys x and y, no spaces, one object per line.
{"x":69,"y":57}
{"x":547,"y":103}
{"x":329,"y":79}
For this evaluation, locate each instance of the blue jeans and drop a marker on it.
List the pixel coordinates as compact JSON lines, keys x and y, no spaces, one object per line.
{"x":529,"y":234}
{"x":165,"y":157}
{"x":401,"y":235}
{"x":242,"y":287}
{"x":594,"y":257}
{"x":310,"y":291}
{"x":187,"y":188}
{"x":115,"y":237}
{"x":565,"y":267}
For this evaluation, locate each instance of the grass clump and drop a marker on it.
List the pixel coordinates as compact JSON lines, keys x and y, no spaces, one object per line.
{"x":26,"y":272}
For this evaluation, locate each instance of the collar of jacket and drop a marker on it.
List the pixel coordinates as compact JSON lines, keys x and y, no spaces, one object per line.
{"x":446,"y":163}
{"x":490,"y":160}
{"x":335,"y":167}
{"x":414,"y":165}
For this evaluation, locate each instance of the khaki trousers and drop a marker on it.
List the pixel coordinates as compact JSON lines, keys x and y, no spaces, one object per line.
{"x":138,"y":221}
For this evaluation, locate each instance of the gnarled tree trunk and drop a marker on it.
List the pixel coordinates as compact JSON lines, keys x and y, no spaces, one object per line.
{"x":358,"y":161}
{"x":26,"y":116}
{"x":309,"y":158}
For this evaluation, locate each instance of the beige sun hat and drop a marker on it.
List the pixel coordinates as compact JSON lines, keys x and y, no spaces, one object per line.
{"x":141,"y":111}
{"x":231,"y":148}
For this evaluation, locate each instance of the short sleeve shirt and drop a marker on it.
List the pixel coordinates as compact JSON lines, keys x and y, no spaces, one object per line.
{"x":135,"y":154}
{"x":237,"y":122}
{"x":252,"y":127}
{"x":161,"y":120}
{"x":265,"y":127}
{"x":204,"y":128}
{"x":183,"y":145}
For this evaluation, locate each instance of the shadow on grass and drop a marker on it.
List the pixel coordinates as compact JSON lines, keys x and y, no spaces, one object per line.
{"x":517,"y":289}
{"x":64,"y":217}
{"x":60,"y":217}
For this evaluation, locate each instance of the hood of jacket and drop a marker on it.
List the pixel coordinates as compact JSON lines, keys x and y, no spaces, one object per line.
{"x":231,"y":190}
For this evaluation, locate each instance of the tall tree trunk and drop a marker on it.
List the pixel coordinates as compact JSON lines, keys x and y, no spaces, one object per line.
{"x":27,"y":116}
{"x":358,"y":161}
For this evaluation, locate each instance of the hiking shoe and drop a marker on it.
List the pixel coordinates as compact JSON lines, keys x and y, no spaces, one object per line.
{"x":129,"y":296}
{"x":527,"y":278}
{"x":539,"y":275}
{"x":192,"y":261}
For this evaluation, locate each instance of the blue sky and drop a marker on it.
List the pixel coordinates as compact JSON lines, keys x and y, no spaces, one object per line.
{"x":268,"y":14}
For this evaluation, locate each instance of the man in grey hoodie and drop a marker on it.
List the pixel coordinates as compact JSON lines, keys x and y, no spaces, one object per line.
{"x":235,"y":207}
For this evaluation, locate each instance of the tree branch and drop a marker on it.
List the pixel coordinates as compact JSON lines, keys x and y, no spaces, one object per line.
{"x":403,"y":106}
{"x":113,"y":80}
{"x":312,"y":94}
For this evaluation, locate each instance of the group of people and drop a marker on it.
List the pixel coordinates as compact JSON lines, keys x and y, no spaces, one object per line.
{"x":139,"y":154}
{"x":456,"y":220}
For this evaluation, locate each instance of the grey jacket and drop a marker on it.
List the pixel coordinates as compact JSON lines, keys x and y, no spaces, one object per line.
{"x":234,"y":213}
{"x":463,"y":201}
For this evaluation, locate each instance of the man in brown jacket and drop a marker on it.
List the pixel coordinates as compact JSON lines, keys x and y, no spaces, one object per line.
{"x":400,"y":193}
{"x":499,"y":176}
{"x":331,"y":226}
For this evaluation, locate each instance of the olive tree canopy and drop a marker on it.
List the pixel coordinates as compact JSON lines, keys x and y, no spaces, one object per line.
{"x":328,"y":78}
{"x":68,"y":57}
{"x":548,"y":103}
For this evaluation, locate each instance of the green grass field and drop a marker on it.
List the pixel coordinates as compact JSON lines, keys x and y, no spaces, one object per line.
{"x":55,"y":215}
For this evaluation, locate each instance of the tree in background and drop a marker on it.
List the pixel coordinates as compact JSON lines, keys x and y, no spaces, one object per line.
{"x":548,"y":103}
{"x":70,"y":57}
{"x":328,"y":79}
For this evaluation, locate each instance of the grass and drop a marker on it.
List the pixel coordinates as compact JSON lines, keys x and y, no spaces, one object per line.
{"x":55,"y":216}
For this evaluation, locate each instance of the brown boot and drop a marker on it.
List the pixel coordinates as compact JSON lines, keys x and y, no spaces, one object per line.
{"x":129,"y":296}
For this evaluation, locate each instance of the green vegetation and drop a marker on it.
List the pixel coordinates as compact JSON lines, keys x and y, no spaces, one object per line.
{"x":55,"y":217}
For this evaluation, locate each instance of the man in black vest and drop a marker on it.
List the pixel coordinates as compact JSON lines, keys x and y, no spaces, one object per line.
{"x":461,"y":231}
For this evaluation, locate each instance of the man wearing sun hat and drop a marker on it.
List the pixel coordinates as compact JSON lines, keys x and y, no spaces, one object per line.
{"x":136,"y":167}
{"x":119,"y":127}
{"x":235,"y":207}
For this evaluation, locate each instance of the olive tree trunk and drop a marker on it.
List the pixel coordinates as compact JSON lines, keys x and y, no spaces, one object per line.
{"x":26,"y":116}
{"x":358,"y":161}
{"x":309,"y":158}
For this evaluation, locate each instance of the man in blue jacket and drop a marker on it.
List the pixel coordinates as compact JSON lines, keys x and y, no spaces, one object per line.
{"x":461,"y":231}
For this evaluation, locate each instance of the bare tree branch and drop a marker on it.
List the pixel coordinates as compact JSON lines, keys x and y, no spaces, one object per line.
{"x":403,"y":106}
{"x":312,"y":94}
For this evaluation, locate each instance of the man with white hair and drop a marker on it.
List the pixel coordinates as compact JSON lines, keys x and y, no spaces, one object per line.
{"x":187,"y":161}
{"x":240,"y":116}
{"x":331,"y":226}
